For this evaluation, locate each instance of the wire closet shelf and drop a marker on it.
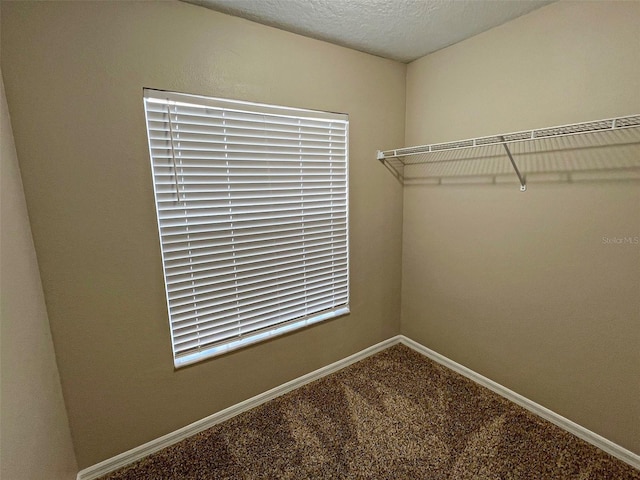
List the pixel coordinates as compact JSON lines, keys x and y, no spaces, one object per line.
{"x":512,"y":146}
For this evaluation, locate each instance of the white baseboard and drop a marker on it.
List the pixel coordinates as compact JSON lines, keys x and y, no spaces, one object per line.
{"x":138,"y":453}
{"x":148,"y":448}
{"x":562,"y":422}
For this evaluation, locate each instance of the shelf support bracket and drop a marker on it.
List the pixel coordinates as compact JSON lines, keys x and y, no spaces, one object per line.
{"x":523,"y":184}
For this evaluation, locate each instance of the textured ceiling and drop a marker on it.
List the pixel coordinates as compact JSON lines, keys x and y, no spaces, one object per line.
{"x":398,"y":29}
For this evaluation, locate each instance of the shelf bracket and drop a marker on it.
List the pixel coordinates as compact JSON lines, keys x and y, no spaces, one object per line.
{"x":523,"y":184}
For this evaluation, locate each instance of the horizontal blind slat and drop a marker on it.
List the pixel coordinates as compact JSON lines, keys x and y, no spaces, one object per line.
{"x":251,"y":286}
{"x":215,"y":221}
{"x":266,"y":267}
{"x":233,"y":259}
{"x":192,"y":249}
{"x":180,"y":240}
{"x":179,"y":296}
{"x":215,"y":310}
{"x":273,"y":314}
{"x":176,"y":257}
{"x":240,"y":263}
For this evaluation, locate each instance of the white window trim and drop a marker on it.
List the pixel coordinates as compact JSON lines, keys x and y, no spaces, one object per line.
{"x":184,"y":150}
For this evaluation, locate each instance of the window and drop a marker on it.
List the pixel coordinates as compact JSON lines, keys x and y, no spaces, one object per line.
{"x":252,"y":207}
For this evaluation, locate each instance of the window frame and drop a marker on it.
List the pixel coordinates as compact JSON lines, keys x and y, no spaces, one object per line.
{"x":306,"y":119}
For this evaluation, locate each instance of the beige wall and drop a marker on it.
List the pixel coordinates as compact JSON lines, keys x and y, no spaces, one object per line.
{"x":520,"y":286}
{"x":74,"y":74}
{"x":35,"y":442}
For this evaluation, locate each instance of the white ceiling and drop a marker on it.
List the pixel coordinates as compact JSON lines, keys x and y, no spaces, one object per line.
{"x":402,"y":30}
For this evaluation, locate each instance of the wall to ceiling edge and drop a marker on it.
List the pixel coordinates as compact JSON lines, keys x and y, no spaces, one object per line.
{"x":74,"y":74}
{"x":524,"y":288}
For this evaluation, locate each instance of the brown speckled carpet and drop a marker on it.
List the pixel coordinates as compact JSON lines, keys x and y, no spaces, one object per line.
{"x":394,"y":415}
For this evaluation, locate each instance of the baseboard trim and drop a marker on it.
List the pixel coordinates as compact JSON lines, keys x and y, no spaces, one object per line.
{"x":138,"y":453}
{"x":579,"y":431}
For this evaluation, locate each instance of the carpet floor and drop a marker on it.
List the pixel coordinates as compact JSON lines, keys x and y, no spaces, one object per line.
{"x":394,"y":415}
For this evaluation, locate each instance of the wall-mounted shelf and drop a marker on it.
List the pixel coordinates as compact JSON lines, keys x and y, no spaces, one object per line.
{"x":511,"y":148}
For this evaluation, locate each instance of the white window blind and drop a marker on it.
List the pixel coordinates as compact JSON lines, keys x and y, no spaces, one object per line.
{"x":252,"y":206}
